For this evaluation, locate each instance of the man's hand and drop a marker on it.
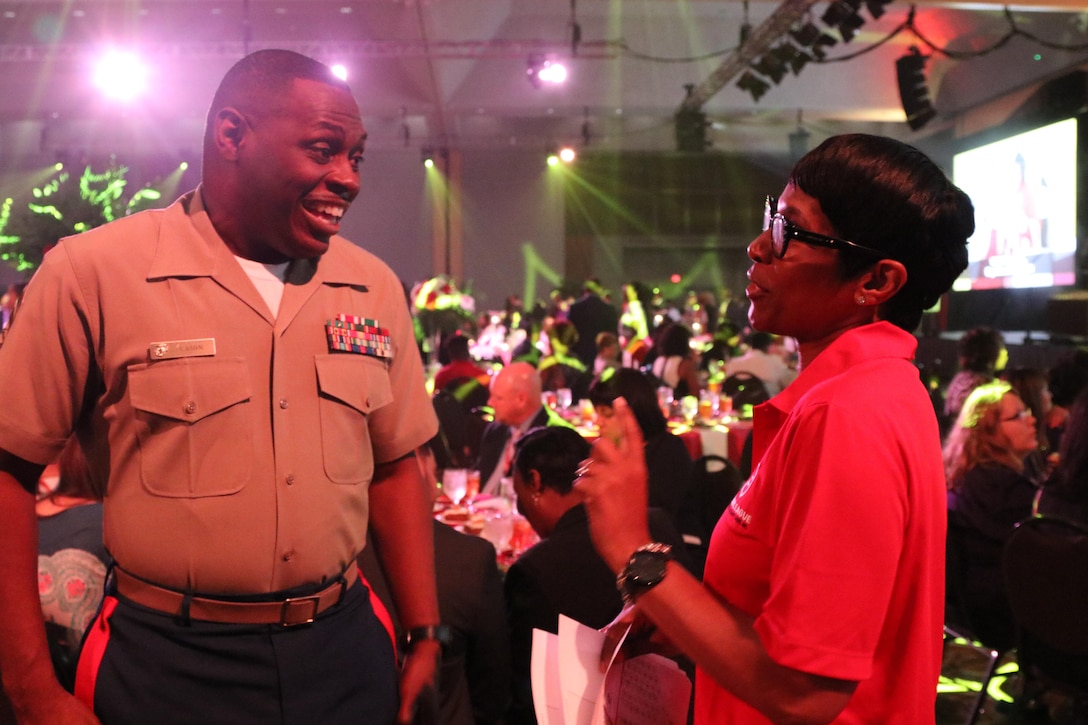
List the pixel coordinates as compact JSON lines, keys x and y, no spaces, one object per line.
{"x":53,"y":706}
{"x":416,"y":675}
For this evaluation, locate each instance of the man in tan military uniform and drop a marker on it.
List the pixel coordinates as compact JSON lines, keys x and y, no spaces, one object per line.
{"x":247,"y":389}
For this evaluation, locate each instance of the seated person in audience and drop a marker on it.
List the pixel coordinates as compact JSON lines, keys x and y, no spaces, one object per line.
{"x":609,"y":353}
{"x":760,"y":362}
{"x":1066,"y":380}
{"x":515,"y":400}
{"x":1031,"y":385}
{"x":668,"y":462}
{"x":1066,"y":492}
{"x":560,"y":368}
{"x":988,"y":495}
{"x":461,"y":367}
{"x":675,"y":364}
{"x":982,"y":354}
{"x":474,"y":674}
{"x":562,"y":573}
{"x":72,"y":558}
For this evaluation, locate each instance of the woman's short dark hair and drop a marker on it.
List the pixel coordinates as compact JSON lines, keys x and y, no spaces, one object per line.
{"x":887,"y":195}
{"x":675,"y":340}
{"x":636,"y":388}
{"x":554,"y":452}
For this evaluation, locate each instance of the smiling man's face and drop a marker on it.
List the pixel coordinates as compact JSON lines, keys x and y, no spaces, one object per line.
{"x":301,"y":165}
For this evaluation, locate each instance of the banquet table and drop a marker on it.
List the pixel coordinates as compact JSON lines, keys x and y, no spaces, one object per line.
{"x":723,"y":438}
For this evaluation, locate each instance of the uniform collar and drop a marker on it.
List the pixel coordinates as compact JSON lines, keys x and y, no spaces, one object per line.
{"x":203,"y":253}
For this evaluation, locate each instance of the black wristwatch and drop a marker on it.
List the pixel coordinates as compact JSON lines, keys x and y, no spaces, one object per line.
{"x":440,"y":633}
{"x":644,"y":571}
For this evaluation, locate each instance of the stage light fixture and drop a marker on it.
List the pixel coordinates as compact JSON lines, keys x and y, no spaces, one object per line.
{"x":543,"y":70}
{"x":843,"y":15}
{"x":910,"y":71}
{"x":771,"y":68}
{"x":876,"y":7}
{"x":339,"y":70}
{"x":120,"y":75}
{"x":427,"y":154}
{"x":799,"y":60}
{"x":806,"y":35}
{"x":813,"y":39}
{"x":567,"y":154}
{"x":755,"y":85}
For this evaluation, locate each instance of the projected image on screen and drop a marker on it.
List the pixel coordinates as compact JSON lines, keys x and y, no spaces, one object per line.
{"x":1024,"y":191}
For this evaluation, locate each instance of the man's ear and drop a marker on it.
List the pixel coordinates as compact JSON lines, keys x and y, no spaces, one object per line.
{"x":230,"y":130}
{"x":884,"y":279}
{"x":534,"y":481}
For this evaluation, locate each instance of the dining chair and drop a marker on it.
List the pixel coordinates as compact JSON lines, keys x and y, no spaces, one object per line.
{"x":1045,"y":565}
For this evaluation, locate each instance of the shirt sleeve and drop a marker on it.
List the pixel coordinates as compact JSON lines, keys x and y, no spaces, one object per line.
{"x":409,"y":420}
{"x":46,"y":362}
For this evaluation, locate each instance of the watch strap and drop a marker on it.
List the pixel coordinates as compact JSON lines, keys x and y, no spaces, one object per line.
{"x":440,"y":633}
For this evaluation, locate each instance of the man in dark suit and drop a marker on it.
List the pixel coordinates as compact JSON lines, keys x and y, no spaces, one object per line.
{"x":590,"y":314}
{"x":515,"y":398}
{"x":562,"y":574}
{"x":474,"y":674}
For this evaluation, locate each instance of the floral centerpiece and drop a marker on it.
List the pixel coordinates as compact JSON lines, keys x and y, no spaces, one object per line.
{"x":439,"y":309}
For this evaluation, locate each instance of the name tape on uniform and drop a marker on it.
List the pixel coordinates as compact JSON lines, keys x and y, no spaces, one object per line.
{"x":170,"y":349}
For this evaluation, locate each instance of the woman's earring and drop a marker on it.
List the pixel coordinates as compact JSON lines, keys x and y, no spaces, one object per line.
{"x":862,"y":299}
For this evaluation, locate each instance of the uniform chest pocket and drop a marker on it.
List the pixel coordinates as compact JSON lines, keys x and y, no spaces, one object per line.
{"x":194,"y":426}
{"x":352,"y":387}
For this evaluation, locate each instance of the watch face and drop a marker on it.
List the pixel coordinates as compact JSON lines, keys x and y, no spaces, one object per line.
{"x":647,"y":568}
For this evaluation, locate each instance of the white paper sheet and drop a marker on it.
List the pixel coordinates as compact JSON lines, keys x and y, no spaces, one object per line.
{"x":569,"y":688}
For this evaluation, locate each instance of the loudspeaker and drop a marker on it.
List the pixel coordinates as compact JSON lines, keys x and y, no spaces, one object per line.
{"x":691,"y":129}
{"x":912,"y":89}
{"x":1067,"y":313}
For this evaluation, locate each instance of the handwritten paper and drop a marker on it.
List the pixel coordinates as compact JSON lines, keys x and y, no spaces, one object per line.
{"x":646,"y":690}
{"x":569,"y":689}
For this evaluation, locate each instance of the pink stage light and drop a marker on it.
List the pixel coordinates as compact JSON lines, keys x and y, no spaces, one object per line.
{"x":120,"y":75}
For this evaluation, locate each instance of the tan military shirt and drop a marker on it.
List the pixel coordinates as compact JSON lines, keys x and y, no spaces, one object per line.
{"x":236,"y":448}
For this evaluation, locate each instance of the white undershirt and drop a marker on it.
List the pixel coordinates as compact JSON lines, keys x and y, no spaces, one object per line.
{"x":268,"y":279}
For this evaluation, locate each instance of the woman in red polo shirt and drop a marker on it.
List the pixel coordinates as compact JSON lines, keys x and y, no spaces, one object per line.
{"x":822,"y":599}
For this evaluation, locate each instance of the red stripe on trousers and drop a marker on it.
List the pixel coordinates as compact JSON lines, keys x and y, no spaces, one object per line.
{"x":381,"y":613}
{"x":94,"y":647}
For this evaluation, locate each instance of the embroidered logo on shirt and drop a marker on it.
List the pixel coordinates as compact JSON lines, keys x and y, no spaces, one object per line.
{"x":358,"y":334}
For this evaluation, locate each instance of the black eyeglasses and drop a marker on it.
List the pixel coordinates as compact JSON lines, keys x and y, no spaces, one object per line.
{"x":782,"y":231}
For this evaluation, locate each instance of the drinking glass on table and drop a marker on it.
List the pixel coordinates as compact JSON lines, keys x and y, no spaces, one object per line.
{"x":708,"y":405}
{"x":564,"y":398}
{"x":664,"y":399}
{"x":472,"y":483}
{"x":455,"y":483}
{"x":689,"y":406}
{"x":498,"y":528}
